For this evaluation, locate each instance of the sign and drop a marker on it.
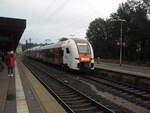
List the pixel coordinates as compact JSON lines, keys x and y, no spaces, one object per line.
{"x":81,"y":44}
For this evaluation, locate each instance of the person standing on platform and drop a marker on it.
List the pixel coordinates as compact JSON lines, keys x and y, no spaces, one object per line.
{"x":10,"y":61}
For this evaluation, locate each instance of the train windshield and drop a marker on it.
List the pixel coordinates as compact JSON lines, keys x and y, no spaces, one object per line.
{"x":83,"y":48}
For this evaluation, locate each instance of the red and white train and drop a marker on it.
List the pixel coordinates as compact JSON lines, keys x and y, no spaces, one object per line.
{"x":76,"y":54}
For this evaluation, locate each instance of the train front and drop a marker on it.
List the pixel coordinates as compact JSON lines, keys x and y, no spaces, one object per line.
{"x":86,"y":57}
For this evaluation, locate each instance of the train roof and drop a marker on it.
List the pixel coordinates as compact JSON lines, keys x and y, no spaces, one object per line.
{"x":37,"y":48}
{"x":79,"y":40}
{"x":63,"y":39}
{"x":59,"y":44}
{"x":55,"y":45}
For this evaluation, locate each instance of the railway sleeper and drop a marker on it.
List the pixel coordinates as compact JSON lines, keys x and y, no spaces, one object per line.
{"x":76,"y":101}
{"x":140,"y":92}
{"x":66,"y":93}
{"x":133,"y":91}
{"x":62,"y":89}
{"x":68,"y":98}
{"x":81,"y":105}
{"x":147,"y":95}
{"x":86,"y":110}
{"x":147,"y":102}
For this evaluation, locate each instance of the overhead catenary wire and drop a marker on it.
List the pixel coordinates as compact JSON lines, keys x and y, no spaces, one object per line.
{"x":49,"y":16}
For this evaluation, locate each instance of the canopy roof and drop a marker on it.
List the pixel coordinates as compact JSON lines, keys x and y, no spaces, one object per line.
{"x":11,"y":30}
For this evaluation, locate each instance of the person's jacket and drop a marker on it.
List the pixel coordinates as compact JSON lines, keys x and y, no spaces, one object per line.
{"x":11,"y":61}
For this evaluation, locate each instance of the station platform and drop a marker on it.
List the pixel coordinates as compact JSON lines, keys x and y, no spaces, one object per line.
{"x":23,"y":93}
{"x":143,"y":72}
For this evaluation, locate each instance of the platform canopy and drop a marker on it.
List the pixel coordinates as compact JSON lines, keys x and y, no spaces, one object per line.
{"x":11,"y":30}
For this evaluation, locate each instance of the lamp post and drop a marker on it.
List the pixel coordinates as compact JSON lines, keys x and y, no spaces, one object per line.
{"x":121,"y":42}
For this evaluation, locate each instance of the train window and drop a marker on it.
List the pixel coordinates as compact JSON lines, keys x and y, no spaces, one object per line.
{"x":83,"y":48}
{"x":67,"y":50}
{"x":61,"y":53}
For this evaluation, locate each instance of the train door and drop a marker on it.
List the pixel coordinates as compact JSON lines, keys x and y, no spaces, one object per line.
{"x":67,"y":57}
{"x":61,"y":55}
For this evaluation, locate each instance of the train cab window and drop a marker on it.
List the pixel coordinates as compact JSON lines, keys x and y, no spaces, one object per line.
{"x":67,"y":50}
{"x":83,"y":48}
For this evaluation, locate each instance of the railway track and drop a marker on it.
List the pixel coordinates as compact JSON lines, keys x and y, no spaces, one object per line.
{"x":135,"y":92}
{"x":71,"y":99}
{"x":140,"y":96}
{"x":137,"y":100}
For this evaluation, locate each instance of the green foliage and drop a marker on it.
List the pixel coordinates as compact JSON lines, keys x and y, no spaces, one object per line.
{"x":104,"y":34}
{"x":99,"y":34}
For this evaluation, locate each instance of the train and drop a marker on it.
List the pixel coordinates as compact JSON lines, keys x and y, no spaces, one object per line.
{"x":72,"y":53}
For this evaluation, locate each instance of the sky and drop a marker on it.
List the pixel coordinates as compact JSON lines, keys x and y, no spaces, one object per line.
{"x":54,"y":19}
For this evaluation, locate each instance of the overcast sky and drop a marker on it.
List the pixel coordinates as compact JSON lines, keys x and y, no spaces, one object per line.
{"x":53,"y":19}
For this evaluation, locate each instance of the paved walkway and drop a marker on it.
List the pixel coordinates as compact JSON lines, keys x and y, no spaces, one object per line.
{"x":7,"y":93}
{"x":23,"y":93}
{"x":139,"y":70}
{"x":47,"y":102}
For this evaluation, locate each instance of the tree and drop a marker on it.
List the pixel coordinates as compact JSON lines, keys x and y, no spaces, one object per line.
{"x":99,"y":34}
{"x":104,"y":34}
{"x":135,"y":13}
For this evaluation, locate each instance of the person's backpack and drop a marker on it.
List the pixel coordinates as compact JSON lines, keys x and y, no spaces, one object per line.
{"x":7,"y":60}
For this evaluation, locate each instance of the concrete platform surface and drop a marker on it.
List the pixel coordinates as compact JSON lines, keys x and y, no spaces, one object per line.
{"x":23,"y":93}
{"x":127,"y":69}
{"x":7,"y":93}
{"x":47,"y":102}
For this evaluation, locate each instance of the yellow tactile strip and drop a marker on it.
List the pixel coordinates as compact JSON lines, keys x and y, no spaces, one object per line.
{"x":20,"y":97}
{"x":46,"y":100}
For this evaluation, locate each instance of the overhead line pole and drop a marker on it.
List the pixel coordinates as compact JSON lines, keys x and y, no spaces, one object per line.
{"x":121,"y":42}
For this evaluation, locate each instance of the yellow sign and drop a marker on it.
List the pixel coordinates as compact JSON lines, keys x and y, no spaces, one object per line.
{"x":81,"y":44}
